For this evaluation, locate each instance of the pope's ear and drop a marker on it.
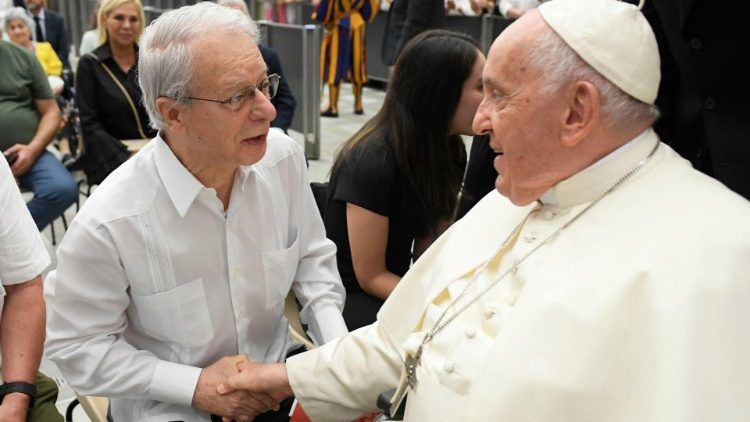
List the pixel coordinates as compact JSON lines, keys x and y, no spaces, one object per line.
{"x":170,"y":112}
{"x":583,"y":113}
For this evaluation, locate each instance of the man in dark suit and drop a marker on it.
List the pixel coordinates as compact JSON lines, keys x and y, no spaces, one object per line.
{"x":407,"y":18}
{"x":703,"y":96}
{"x":284,"y":100}
{"x":50,"y":27}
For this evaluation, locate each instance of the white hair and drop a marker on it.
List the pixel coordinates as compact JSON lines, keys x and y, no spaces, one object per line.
{"x":165,"y":63}
{"x":560,"y":65}
{"x":17,"y":13}
{"x":236,"y":4}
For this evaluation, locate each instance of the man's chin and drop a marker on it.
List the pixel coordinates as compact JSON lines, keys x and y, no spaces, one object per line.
{"x":518,"y":198}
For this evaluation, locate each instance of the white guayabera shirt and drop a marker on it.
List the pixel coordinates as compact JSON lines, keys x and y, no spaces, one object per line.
{"x":156,"y":281}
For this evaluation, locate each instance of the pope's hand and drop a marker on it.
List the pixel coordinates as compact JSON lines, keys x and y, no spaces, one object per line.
{"x":239,"y":405}
{"x":267,"y":378}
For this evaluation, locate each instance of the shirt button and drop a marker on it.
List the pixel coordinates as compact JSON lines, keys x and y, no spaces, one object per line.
{"x":696,"y":44}
{"x":489,"y":313}
{"x":548,"y":215}
{"x":709,"y":103}
{"x":470,"y":333}
{"x":529,"y":238}
{"x":448,"y":367}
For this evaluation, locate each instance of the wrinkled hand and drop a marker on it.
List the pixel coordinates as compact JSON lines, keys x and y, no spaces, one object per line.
{"x":27,"y":155}
{"x":268,"y":378}
{"x":239,"y":405}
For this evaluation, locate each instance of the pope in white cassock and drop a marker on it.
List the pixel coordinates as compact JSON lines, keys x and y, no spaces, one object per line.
{"x":605,"y":280}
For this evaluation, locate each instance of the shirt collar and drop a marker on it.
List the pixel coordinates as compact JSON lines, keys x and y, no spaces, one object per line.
{"x":181,"y":186}
{"x":594,"y":180}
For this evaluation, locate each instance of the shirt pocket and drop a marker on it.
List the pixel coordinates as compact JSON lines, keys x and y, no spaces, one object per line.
{"x":179,"y":316}
{"x":279,"y":268}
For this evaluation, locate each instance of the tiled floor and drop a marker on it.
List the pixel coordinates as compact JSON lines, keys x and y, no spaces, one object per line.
{"x":334,"y":131}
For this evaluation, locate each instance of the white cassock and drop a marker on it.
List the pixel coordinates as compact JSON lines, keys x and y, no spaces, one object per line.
{"x":638,"y":311}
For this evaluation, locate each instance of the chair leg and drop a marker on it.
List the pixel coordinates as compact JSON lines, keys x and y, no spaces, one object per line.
{"x":52,"y":229}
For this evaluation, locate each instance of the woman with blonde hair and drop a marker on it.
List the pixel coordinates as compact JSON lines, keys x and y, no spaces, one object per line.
{"x":109,"y":97}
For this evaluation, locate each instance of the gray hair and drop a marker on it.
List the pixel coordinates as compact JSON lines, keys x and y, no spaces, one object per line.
{"x":166,"y":65}
{"x":18,"y":13}
{"x":560,"y":65}
{"x":235,"y":4}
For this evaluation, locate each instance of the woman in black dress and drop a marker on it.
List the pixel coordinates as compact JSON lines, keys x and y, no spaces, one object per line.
{"x":394,"y":185}
{"x":109,"y":98}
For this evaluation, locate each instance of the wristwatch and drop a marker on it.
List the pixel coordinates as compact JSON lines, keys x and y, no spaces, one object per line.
{"x":19,"y":387}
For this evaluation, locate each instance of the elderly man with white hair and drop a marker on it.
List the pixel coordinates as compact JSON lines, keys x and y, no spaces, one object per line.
{"x":606,"y":280}
{"x":186,"y":253}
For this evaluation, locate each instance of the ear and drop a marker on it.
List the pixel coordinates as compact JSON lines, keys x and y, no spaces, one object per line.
{"x":170,"y":112}
{"x":582,"y":114}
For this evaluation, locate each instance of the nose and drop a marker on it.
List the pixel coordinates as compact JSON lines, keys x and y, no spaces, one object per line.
{"x":262,"y":108}
{"x":481,"y":124}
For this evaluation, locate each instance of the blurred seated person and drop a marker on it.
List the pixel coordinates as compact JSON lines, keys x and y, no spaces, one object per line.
{"x":18,"y":25}
{"x":26,"y":394}
{"x":90,"y":38}
{"x":464,"y":7}
{"x":513,"y":9}
{"x":29,"y":120}
{"x":395,"y":183}
{"x":51,"y":28}
{"x":109,"y":97}
{"x":284,"y":101}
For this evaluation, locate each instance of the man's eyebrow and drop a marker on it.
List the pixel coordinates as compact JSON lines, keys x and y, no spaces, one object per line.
{"x":241,"y":83}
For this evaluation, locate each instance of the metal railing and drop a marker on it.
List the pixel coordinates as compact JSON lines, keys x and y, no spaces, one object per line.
{"x":298,"y":47}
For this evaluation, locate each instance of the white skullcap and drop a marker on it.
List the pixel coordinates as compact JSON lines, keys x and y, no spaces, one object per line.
{"x":614,"y":38}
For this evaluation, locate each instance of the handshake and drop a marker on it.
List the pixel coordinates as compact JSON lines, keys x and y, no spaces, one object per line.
{"x":237,"y":389}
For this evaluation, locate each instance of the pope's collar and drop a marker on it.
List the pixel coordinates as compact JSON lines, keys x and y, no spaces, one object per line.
{"x":181,"y":186}
{"x":595,"y":179}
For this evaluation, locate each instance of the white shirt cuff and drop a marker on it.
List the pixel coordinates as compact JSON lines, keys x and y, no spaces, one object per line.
{"x":174,"y":383}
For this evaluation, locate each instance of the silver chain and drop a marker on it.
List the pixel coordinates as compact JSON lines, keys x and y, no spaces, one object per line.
{"x":439,"y":325}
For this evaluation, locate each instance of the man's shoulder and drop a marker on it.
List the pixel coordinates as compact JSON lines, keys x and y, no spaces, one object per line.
{"x":700,"y":194}
{"x":279,"y":148}
{"x":128,"y":191}
{"x":16,"y":52}
{"x":53,"y":16}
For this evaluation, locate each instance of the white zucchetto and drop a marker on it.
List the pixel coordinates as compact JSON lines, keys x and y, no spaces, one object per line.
{"x":614,"y":38}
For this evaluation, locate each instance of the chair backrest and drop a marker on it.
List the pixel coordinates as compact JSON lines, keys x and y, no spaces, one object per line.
{"x":291,"y":312}
{"x":320,"y":192}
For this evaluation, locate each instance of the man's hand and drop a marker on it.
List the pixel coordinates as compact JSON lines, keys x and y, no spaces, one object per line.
{"x":14,"y":407}
{"x":238,"y":405}
{"x":268,"y":378}
{"x":27,"y":156}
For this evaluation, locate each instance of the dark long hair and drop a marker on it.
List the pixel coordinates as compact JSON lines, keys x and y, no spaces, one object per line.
{"x":423,"y":94}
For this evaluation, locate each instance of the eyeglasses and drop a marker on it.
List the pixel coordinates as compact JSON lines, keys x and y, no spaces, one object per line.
{"x":269,"y":87}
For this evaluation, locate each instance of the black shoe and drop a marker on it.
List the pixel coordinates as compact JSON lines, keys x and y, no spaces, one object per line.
{"x":67,"y":159}
{"x":329,"y":113}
